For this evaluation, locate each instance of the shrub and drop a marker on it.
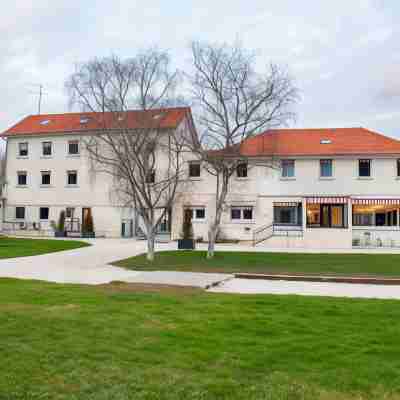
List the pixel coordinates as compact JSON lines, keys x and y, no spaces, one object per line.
{"x":187,"y":228}
{"x":61,"y":221}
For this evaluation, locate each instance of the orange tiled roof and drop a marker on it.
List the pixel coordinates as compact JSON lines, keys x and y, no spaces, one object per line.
{"x":316,"y":142}
{"x":86,"y":122}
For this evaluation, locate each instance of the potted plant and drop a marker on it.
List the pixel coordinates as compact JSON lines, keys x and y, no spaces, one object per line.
{"x":87,"y":226}
{"x":187,"y":242}
{"x":60,"y":228}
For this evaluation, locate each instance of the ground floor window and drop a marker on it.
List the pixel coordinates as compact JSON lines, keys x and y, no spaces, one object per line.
{"x":327,"y":215}
{"x":241,"y":213}
{"x":288,"y":214}
{"x":375,"y":215}
{"x":197,"y":213}
{"x":44,"y":213}
{"x":20,"y":212}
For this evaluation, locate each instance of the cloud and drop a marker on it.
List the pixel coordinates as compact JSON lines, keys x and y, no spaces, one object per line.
{"x":343,"y":54}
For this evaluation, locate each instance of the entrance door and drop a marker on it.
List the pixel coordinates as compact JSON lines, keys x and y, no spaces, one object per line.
{"x":85,"y":213}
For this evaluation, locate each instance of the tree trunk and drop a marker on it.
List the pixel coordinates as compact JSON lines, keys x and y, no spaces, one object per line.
{"x":150,"y":246}
{"x":212,"y":234}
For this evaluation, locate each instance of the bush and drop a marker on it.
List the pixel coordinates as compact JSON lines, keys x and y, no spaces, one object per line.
{"x":187,"y":228}
{"x":61,"y":221}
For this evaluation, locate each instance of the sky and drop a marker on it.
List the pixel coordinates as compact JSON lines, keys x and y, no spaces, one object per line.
{"x":344,"y":55}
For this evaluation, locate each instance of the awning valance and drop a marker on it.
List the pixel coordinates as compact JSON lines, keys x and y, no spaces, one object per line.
{"x":286,"y":203}
{"x":376,"y":201}
{"x":327,"y":200}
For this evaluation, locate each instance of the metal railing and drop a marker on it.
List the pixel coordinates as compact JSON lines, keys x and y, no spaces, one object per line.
{"x":376,"y":238}
{"x":20,"y":226}
{"x":72,"y":225}
{"x":265,"y":232}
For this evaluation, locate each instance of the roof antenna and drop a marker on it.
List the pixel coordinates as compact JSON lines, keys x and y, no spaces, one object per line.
{"x":40,"y":93}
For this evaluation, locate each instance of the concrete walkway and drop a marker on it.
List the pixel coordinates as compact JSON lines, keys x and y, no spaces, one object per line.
{"x":89,"y":265}
{"x":252,"y":286}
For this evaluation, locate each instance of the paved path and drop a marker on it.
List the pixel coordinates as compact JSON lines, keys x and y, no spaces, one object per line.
{"x":252,"y":286}
{"x":88,"y":265}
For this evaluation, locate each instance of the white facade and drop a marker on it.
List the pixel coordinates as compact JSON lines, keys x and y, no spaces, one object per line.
{"x":265,"y":188}
{"x":280,"y":202}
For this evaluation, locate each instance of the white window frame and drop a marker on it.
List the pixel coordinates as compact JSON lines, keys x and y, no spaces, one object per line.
{"x":48,"y":214}
{"x":24,"y":217}
{"x":76,"y":173}
{"x":19,"y":150}
{"x":26,"y":178}
{"x":41,"y":178}
{"x":371,"y":165}
{"x":242,"y":209}
{"x":320,"y":168}
{"x":283,"y":161}
{"x":194,"y":176}
{"x":194,"y":209}
{"x":51,"y":149}
{"x":79,"y":148}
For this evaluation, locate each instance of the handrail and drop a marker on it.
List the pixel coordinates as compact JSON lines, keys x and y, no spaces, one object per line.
{"x":262,"y":229}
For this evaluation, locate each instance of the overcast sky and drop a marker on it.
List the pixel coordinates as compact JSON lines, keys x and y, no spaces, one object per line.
{"x":344,"y":54}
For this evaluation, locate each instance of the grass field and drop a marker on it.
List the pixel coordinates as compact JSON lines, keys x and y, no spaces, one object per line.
{"x":329,"y":264}
{"x":125,"y":342}
{"x":12,"y":247}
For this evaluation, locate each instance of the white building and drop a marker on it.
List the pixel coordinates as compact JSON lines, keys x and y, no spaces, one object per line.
{"x":306,"y":188}
{"x":327,"y":188}
{"x":48,"y":170}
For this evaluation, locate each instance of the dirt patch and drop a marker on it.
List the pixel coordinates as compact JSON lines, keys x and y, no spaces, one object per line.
{"x":124,"y":287}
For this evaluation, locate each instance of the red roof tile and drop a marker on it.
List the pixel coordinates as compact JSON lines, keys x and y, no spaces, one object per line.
{"x":73,"y":122}
{"x":317,"y":142}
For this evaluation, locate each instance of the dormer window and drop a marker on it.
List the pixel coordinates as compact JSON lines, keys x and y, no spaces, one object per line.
{"x":325,"y":141}
{"x":45,"y":122}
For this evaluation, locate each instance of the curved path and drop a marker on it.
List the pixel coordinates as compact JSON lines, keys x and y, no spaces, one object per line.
{"x":88,"y":265}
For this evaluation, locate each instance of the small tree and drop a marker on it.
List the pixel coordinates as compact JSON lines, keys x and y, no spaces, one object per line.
{"x":61,"y":221}
{"x":233,"y":102}
{"x":187,"y":227}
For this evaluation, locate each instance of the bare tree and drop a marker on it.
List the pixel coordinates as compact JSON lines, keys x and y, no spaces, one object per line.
{"x":233,"y":102}
{"x":139,"y":149}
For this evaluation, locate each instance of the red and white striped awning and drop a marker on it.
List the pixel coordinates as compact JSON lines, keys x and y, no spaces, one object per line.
{"x":376,"y":201}
{"x":327,"y":200}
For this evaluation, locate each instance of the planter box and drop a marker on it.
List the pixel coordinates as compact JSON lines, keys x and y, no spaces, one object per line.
{"x":88,"y":235}
{"x":59,"y":234}
{"x":186,"y":244}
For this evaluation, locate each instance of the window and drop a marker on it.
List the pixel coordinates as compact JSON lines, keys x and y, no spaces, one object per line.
{"x":197,"y":213}
{"x":22,"y":178}
{"x":73,"y":147}
{"x":151,"y":177}
{"x":46,"y":177}
{"x":363,"y":219}
{"x":242,"y":213}
{"x":69,"y":212}
{"x":23,"y":149}
{"x":194,"y":169}
{"x":287,"y":167}
{"x":398,"y":168}
{"x":364,"y":168}
{"x":241,"y":170}
{"x":327,"y":215}
{"x":46,"y":148}
{"x":20,"y":212}
{"x":72,"y":177}
{"x":326,"y":170}
{"x":286,"y":215}
{"x":44,"y":213}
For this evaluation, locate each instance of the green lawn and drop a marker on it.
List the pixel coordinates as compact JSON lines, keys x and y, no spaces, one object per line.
{"x":125,"y":342}
{"x":334,"y":264}
{"x":12,"y":247}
